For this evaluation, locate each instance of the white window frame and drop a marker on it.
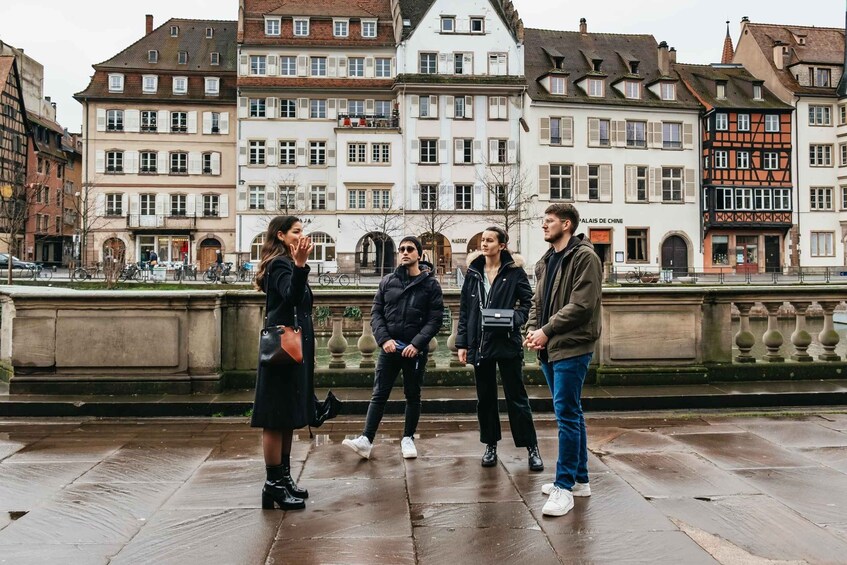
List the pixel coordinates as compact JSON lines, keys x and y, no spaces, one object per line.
{"x":448,"y":24}
{"x":382,"y":67}
{"x":357,"y":199}
{"x":463,"y":197}
{"x":770,"y":160}
{"x":828,"y":243}
{"x":667,"y":91}
{"x":273,"y":26}
{"x":288,"y":65}
{"x":356,"y":67}
{"x":772,"y":123}
{"x":632,"y":89}
{"x":595,"y":87}
{"x":742,"y":159}
{"x":258,"y":65}
{"x":180,"y":85}
{"x":256,"y":197}
{"x":721,"y":121}
{"x":369,"y":29}
{"x":287,"y":153}
{"x":722,"y":159}
{"x":149,"y":84}
{"x":257,"y":152}
{"x":561,"y":173}
{"x":317,"y":109}
{"x":213,"y":86}
{"x":301,"y":27}
{"x":820,"y":115}
{"x":317,"y":154}
{"x":821,"y":198}
{"x":430,"y":155}
{"x":340,"y":28}
{"x":743,"y":122}
{"x":558,"y":85}
{"x":820,"y":155}
{"x":116,"y":82}
{"x":477,"y":20}
{"x":317,"y":66}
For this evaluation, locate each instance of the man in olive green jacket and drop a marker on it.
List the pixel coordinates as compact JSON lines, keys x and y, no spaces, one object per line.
{"x":563,"y":327}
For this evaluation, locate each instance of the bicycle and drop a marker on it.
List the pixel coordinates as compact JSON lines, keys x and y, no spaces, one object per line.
{"x":245,"y":272}
{"x":218,"y":274}
{"x":182,"y":272}
{"x":130,"y":272}
{"x":639,"y":276}
{"x":87,"y":273}
{"x":326,"y":279}
{"x":33,"y":273}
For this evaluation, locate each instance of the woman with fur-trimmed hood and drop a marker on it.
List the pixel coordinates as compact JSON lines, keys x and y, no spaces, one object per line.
{"x":496,"y":279}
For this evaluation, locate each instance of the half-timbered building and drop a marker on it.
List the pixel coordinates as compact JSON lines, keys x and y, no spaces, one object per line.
{"x":13,"y":155}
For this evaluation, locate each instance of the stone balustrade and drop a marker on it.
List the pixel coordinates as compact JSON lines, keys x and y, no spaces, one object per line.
{"x":64,"y":341}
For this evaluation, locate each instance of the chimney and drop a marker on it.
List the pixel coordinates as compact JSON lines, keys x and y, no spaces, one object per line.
{"x":583,"y":26}
{"x":149,"y":28}
{"x":664,"y":59}
{"x":672,"y":55}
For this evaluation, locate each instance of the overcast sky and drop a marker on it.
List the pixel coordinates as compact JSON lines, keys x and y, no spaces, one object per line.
{"x":69,"y":37}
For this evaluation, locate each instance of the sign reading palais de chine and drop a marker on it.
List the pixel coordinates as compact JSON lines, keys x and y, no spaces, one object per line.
{"x":602,"y":221}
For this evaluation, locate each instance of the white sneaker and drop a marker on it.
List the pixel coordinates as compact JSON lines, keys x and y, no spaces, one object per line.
{"x":407,"y":444}
{"x":579,"y":489}
{"x":360,"y":445}
{"x":559,"y":503}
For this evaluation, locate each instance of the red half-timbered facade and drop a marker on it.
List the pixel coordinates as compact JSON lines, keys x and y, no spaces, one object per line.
{"x":748,"y":195}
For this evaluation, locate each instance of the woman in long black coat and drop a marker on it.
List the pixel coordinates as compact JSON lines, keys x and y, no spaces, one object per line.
{"x":285,"y":397}
{"x":496,"y":279}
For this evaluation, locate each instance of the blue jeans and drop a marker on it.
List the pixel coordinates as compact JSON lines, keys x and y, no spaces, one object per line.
{"x":565,"y":379}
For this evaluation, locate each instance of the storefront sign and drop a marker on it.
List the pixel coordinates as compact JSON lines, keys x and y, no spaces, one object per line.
{"x":603,"y":221}
{"x":600,"y":236}
{"x":462,"y":240}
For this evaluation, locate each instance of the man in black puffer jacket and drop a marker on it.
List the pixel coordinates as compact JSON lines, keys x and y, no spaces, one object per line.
{"x":407,"y":313}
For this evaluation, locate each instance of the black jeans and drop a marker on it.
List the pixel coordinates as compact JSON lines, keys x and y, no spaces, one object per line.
{"x":517,"y":402}
{"x":388,"y":366}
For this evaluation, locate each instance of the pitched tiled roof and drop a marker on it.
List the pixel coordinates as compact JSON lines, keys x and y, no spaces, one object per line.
{"x":5,"y":67}
{"x":823,"y":46}
{"x":575,"y":50}
{"x":99,"y":88}
{"x":702,"y":80}
{"x":191,"y":39}
{"x":320,"y":8}
{"x":415,"y":10}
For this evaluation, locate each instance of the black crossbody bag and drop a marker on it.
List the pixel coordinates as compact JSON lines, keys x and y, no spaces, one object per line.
{"x":495,"y":320}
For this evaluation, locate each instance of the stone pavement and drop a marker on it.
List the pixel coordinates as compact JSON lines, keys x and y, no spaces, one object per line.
{"x":674,"y":488}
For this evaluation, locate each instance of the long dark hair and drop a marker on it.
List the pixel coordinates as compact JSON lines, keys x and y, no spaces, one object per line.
{"x":273,"y":247}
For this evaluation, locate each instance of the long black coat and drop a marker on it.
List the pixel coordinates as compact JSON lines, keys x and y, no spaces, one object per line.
{"x":285,"y":396}
{"x":511,"y":289}
{"x":411,"y":312}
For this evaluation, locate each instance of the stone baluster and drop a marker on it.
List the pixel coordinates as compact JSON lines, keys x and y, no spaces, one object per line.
{"x":773,"y":338}
{"x":744,"y":339}
{"x":451,"y":344}
{"x":367,"y":345}
{"x":828,"y":337}
{"x":801,"y":339}
{"x":337,"y":343}
{"x":433,"y":345}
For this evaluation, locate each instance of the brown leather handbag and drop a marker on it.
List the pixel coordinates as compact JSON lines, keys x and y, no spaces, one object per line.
{"x":280,"y":345}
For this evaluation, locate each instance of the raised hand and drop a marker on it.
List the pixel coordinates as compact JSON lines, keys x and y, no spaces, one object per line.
{"x":300,"y":251}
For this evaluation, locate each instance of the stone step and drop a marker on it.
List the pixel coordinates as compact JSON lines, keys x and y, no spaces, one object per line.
{"x":444,"y":400}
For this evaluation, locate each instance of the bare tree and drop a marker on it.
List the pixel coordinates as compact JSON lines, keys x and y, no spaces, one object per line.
{"x":382,"y":224}
{"x":433,"y":220}
{"x":19,"y":202}
{"x":509,"y":194}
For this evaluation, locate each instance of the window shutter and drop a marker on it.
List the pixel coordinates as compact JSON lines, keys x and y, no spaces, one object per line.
{"x":414,"y":101}
{"x":303,"y":108}
{"x":658,"y":135}
{"x":445,"y":202}
{"x":207,"y":123}
{"x":656,"y":184}
{"x":332,"y":67}
{"x":451,"y":67}
{"x":273,"y":65}
{"x":442,"y":63}
{"x":244,"y":65}
{"x":651,"y":135}
{"x":544,"y":182}
{"x":477,"y":151}
{"x":100,"y":205}
{"x":223,"y":206}
{"x":162,"y":162}
{"x":270,"y":153}
{"x":605,"y":183}
{"x":302,"y":65}
{"x":271,"y":108}
{"x":163,"y":121}
{"x":433,"y":106}
{"x":190,"y":206}
{"x":192,"y":122}
{"x":479,"y":197}
{"x":195,"y":163}
{"x":301,"y":153}
{"x":593,"y":132}
{"x":449,"y":112}
{"x":161,"y":203}
{"x":216,"y":163}
{"x":332,"y":109}
{"x":134,"y":204}
{"x":631,"y":183}
{"x":369,"y":67}
{"x":415,"y":203}
{"x":124,"y":204}
{"x":330,"y":157}
{"x":330,"y":198}
{"x":224,"y":123}
{"x":342,"y":106}
{"x":100,"y":161}
{"x":132,"y":122}
{"x":241,"y":198}
{"x":687,"y":136}
{"x":690,"y":185}
{"x":493,"y":157}
{"x":242,"y":152}
{"x":131,"y":162}
{"x":270,"y":198}
{"x":512,"y":149}
{"x":567,"y":131}
{"x":415,"y":153}
{"x":342,"y":66}
{"x":582,"y":183}
{"x":619,"y":133}
{"x":101,"y":119}
{"x":458,"y":151}
{"x":469,"y":107}
{"x":544,"y":131}
{"x":370,"y":107}
{"x":443,"y":148}
{"x":243,"y":107}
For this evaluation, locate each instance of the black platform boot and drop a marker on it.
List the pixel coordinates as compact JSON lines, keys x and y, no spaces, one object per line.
{"x":489,"y":458}
{"x":535,"y":462}
{"x":292,"y":487}
{"x":276,"y":493}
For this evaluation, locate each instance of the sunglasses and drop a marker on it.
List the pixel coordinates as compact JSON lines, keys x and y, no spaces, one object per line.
{"x":404,"y":249}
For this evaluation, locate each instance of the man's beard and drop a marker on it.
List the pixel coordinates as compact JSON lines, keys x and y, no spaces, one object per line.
{"x":559,"y":236}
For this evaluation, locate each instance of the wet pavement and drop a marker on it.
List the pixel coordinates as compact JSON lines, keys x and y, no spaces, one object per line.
{"x":676,"y":488}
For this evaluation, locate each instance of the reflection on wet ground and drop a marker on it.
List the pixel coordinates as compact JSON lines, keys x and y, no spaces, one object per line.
{"x":667,"y":488}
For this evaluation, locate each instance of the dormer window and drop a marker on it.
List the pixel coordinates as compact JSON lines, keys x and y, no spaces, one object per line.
{"x":210,"y":32}
{"x":149,"y":84}
{"x":180,"y":85}
{"x":667,"y":91}
{"x":632,"y":89}
{"x":720,"y":92}
{"x":152,"y":56}
{"x":214,"y":58}
{"x":116,"y":83}
{"x":820,"y":77}
{"x":213,"y":86}
{"x":341,"y":28}
{"x":174,"y":31}
{"x":757,"y":92}
{"x":369,"y":29}
{"x":477,"y":25}
{"x":595,"y":87}
{"x":633,"y":67}
{"x":272,"y":26}
{"x":596,"y":64}
{"x":558,"y":86}
{"x":182,"y":58}
{"x":301,"y":27}
{"x":448,"y":24}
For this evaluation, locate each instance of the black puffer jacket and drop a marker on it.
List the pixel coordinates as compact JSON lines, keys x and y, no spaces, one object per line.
{"x":511,"y":289}
{"x":411,"y":312}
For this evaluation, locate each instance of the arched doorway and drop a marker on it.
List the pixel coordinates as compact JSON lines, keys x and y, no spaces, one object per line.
{"x":256,"y":247}
{"x":323,"y":252}
{"x":473,"y":244}
{"x":376,"y":254}
{"x":438,"y":251}
{"x":114,"y":249}
{"x":675,"y":255}
{"x":207,"y":252}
